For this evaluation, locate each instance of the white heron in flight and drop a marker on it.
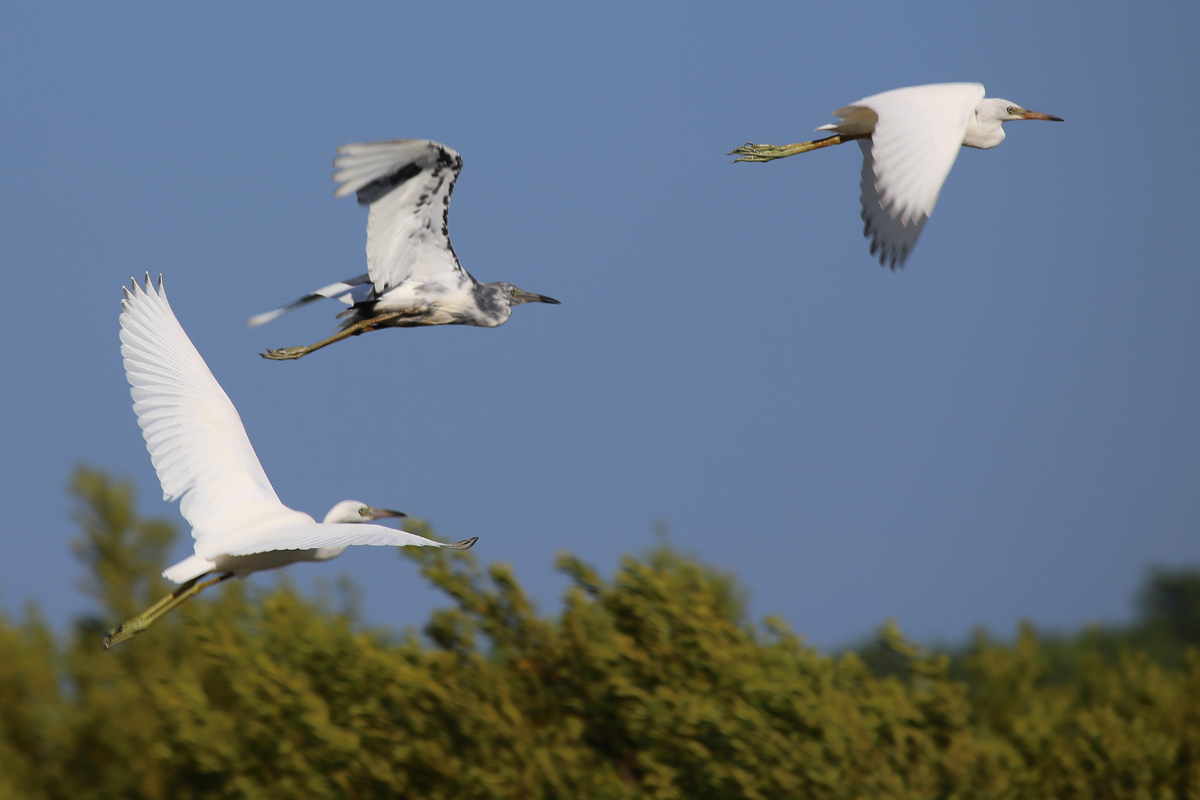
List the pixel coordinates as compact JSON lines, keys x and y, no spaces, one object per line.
{"x":413,"y":276}
{"x":909,"y":139}
{"x":202,"y":455}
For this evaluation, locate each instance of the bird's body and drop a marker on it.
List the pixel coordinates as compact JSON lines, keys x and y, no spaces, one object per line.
{"x":204,"y":459}
{"x":485,"y":305}
{"x":273,"y":528}
{"x":413,"y":275}
{"x":909,"y":139}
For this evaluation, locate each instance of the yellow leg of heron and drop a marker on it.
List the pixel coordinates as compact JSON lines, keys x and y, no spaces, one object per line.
{"x":770,"y":152}
{"x":127,"y":630}
{"x":362,"y":326}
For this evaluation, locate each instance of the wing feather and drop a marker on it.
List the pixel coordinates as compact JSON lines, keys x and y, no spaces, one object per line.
{"x":407,"y":183}
{"x":195,"y":437}
{"x":917,"y":136}
{"x":349,"y":291}
{"x":313,"y":535}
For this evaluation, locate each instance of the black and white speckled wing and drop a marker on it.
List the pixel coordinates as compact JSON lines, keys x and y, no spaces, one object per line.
{"x":407,"y":183}
{"x":194,"y":434}
{"x":350,"y":291}
{"x":917,"y":134}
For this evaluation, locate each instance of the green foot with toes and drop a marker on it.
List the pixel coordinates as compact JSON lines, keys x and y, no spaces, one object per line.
{"x":285,"y":353}
{"x":758,"y":152}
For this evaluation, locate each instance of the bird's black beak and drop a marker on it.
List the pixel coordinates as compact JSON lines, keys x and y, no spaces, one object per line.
{"x":1027,"y":114}
{"x":541,"y":298}
{"x":383,"y":513}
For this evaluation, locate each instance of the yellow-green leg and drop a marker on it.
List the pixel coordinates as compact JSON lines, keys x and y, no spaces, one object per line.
{"x":770,"y":152}
{"x":362,"y":326}
{"x":127,"y":630}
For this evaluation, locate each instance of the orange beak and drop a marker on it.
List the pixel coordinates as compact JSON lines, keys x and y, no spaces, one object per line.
{"x":1039,"y":115}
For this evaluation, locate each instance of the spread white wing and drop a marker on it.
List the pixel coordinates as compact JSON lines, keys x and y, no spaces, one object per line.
{"x":320,"y":534}
{"x":194,"y":434}
{"x":202,"y":454}
{"x":407,"y":183}
{"x":917,"y":134}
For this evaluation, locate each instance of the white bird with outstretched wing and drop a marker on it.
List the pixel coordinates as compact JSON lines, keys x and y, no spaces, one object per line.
{"x":909,"y":139}
{"x":915,"y":137}
{"x":204,"y":459}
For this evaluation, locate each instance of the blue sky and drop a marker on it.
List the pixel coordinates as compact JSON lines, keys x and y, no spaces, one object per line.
{"x":1006,"y":429}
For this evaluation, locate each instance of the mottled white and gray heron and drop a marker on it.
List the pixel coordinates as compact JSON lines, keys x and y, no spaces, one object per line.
{"x":909,"y":139}
{"x":413,"y":275}
{"x":204,"y":459}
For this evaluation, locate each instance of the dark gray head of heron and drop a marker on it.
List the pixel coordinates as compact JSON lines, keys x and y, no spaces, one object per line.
{"x":354,"y":511}
{"x":494,"y":302}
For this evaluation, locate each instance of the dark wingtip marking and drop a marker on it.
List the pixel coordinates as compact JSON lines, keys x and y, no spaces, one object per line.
{"x":380,"y":187}
{"x":446,"y":160}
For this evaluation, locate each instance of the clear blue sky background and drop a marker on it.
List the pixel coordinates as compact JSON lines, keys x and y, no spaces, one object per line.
{"x":1008,"y":428}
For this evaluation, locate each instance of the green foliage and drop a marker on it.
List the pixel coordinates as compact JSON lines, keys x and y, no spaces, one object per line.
{"x":649,"y":684}
{"x":124,"y":555}
{"x":1170,"y":615}
{"x":1166,"y":629}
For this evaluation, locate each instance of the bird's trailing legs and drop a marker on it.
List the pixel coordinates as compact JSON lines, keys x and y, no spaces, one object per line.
{"x":127,"y":630}
{"x":362,"y":326}
{"x":770,"y":152}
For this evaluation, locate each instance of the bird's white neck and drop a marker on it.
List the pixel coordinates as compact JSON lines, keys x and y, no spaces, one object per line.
{"x":325,"y":553}
{"x":985,"y":128}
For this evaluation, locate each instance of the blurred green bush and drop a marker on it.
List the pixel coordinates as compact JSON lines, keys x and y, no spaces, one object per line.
{"x":649,"y":685}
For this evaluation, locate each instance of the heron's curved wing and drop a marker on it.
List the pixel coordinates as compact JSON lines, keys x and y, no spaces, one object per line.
{"x":312,"y":535}
{"x":194,"y":434}
{"x":407,"y":183}
{"x":917,"y":136}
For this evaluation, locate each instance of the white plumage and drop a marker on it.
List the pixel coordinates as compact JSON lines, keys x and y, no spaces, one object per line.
{"x":196,"y":440}
{"x":204,"y":459}
{"x":909,"y":139}
{"x":915,"y":138}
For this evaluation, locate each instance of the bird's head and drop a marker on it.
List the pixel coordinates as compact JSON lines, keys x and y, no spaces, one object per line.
{"x":995,"y":108}
{"x":990,"y":115}
{"x":516,"y":297}
{"x":354,"y":511}
{"x":494,"y":302}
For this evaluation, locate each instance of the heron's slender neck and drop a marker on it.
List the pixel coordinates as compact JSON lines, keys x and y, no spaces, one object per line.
{"x":985,"y":129}
{"x":327,"y":553}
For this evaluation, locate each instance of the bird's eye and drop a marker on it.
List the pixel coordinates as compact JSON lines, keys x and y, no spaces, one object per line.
{"x":1008,"y":110}
{"x":363,"y":511}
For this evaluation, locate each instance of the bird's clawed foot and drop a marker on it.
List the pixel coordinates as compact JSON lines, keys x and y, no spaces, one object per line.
{"x":758,"y":152}
{"x":124,"y":632}
{"x":286,"y":353}
{"x":362,"y":326}
{"x":127,"y":630}
{"x":769,"y":152}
